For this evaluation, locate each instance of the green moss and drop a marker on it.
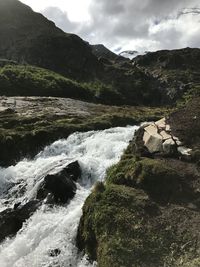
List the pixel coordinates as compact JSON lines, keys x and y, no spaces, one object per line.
{"x":160,"y":181}
{"x":25,"y":80}
{"x":120,"y":226}
{"x":135,"y":220}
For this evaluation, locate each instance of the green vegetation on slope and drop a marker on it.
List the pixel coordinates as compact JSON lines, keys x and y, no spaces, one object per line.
{"x":25,"y":80}
{"x":19,"y":80}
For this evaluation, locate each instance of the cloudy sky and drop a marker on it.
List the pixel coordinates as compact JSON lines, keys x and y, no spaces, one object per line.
{"x":127,"y":24}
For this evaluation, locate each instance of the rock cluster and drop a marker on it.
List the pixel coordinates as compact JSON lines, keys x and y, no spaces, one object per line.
{"x":159,"y":138}
{"x":57,"y":188}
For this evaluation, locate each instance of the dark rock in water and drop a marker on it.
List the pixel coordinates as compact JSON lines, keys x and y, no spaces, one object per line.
{"x":60,"y":186}
{"x":54,"y":252}
{"x":11,"y":220}
{"x":73,"y":170}
{"x":16,"y":205}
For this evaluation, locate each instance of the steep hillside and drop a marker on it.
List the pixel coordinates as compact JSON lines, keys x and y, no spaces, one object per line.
{"x":177,"y":71}
{"x":100,"y":50}
{"x":159,"y":78}
{"x":28,"y":37}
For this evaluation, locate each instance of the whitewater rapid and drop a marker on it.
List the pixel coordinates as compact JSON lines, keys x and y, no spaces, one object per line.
{"x":55,"y":228}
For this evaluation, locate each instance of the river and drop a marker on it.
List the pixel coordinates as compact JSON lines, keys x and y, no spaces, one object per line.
{"x":56,"y":227}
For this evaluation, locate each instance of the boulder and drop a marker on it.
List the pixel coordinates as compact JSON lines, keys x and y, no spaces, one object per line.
{"x":153,"y":142}
{"x":11,"y":220}
{"x":60,"y":187}
{"x":151,"y":129}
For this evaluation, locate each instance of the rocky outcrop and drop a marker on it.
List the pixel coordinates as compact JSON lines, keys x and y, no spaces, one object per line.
{"x":60,"y":187}
{"x":158,"y":138}
{"x":54,"y":189}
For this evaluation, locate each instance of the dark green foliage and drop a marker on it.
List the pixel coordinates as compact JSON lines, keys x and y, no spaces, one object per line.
{"x":161,"y":182}
{"x":19,"y":80}
{"x":122,"y":227}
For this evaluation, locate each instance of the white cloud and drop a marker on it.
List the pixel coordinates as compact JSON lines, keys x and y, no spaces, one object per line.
{"x":129,"y":24}
{"x":77,"y":10}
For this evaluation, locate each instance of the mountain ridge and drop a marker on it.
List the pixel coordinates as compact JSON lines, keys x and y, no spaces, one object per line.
{"x":29,"y":38}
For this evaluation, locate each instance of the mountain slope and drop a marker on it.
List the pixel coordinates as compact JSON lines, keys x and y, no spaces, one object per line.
{"x":28,"y":37}
{"x":159,"y":78}
{"x":177,"y":71}
{"x":100,"y":50}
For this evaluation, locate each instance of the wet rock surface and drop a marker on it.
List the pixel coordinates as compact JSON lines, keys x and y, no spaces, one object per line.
{"x":11,"y":220}
{"x":60,"y":187}
{"x":54,"y":189}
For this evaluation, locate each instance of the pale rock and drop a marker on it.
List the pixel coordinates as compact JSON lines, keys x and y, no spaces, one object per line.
{"x":165,"y":135}
{"x":151,"y":129}
{"x":169,"y":146}
{"x":158,"y":138}
{"x":184,"y":151}
{"x":178,"y":143}
{"x":2,"y":109}
{"x":168,"y":128}
{"x":145,"y":124}
{"x":152,"y":142}
{"x":161,"y":124}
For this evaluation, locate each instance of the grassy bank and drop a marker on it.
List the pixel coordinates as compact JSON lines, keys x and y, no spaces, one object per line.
{"x":146,"y":214}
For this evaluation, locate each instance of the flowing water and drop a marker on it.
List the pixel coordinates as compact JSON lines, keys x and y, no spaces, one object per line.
{"x":55,"y":228}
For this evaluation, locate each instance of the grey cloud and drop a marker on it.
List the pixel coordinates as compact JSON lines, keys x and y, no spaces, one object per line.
{"x":186,"y":11}
{"x":60,"y":18}
{"x":116,"y":23}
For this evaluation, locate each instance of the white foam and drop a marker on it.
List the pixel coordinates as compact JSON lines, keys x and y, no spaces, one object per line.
{"x":56,"y":228}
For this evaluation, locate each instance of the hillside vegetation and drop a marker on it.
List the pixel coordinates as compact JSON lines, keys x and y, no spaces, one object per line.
{"x":26,"y":80}
{"x":92,"y":72}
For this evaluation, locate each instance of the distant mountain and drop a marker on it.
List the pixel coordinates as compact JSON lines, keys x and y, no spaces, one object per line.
{"x":100,"y":50}
{"x":186,"y":58}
